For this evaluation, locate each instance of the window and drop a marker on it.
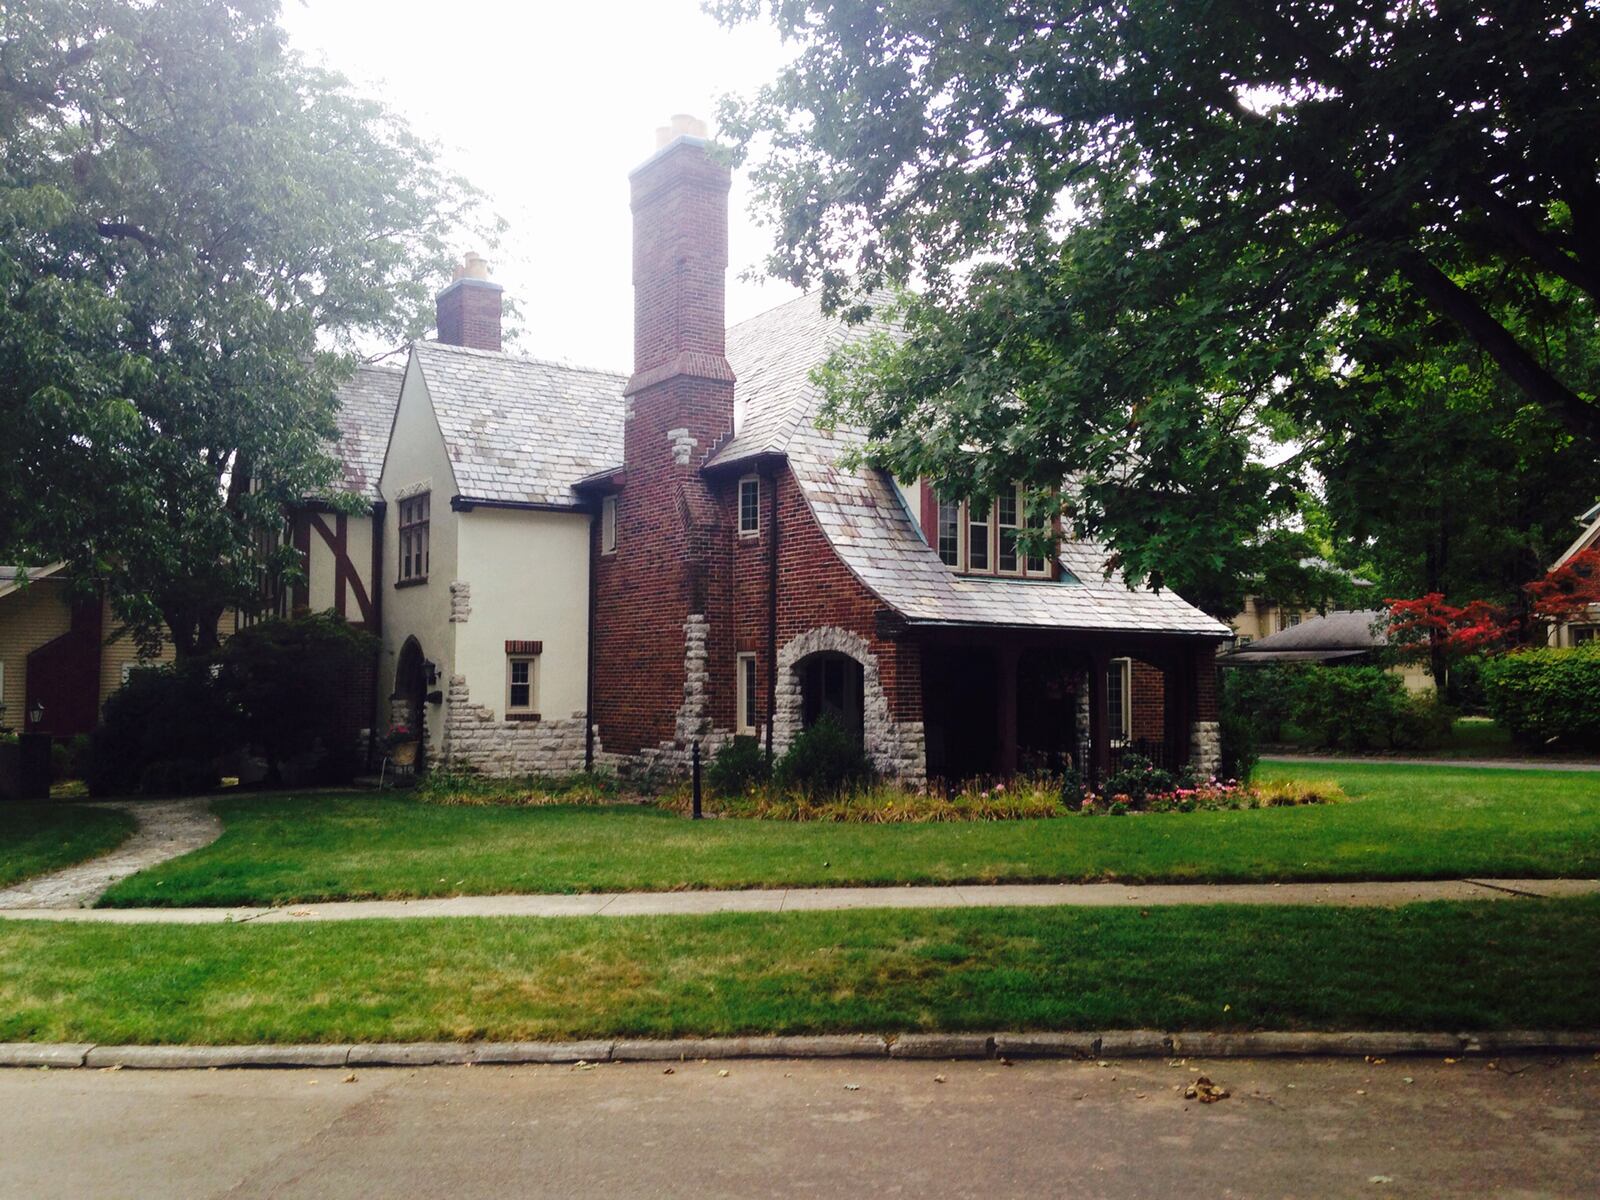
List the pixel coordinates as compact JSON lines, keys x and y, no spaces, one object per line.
{"x":979,"y":536}
{"x":1290,"y":620}
{"x":950,"y":532}
{"x":608,"y":525}
{"x":747,"y":693}
{"x":749,"y":506}
{"x":519,"y":684}
{"x":1119,"y":711}
{"x":414,"y":538}
{"x":1582,"y":635}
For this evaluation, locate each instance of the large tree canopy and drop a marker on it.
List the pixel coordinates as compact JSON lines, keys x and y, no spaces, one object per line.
{"x":1170,"y":233}
{"x":197,"y":229}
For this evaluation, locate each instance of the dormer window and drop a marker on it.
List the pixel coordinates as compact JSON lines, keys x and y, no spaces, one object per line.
{"x":979,"y":536}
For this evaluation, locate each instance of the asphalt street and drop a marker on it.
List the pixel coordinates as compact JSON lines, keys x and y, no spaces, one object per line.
{"x":1288,"y":1128}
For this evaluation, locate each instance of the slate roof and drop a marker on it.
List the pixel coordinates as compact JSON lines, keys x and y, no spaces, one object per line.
{"x":366,"y":412}
{"x":862,"y":515}
{"x":521,"y":430}
{"x":1342,"y":634}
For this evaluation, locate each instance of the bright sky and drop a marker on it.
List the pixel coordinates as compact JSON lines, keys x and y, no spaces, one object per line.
{"x":547,"y":107}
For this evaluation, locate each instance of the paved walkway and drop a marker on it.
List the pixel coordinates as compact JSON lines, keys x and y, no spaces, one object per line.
{"x":167,"y":828}
{"x":776,"y":900}
{"x":1499,"y":764}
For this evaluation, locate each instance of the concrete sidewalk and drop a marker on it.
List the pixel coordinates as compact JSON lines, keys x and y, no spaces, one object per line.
{"x":779,"y":900}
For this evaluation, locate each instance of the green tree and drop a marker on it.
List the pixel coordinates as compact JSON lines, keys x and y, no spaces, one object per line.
{"x":1162,"y":232}
{"x":197,"y":232}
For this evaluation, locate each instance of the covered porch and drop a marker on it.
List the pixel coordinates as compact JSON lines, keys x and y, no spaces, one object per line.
{"x":999,"y":702}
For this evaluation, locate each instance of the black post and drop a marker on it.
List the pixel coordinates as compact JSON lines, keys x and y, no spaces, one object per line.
{"x":694,"y":760}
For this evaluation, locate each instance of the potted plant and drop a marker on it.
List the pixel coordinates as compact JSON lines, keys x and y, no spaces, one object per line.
{"x":402,"y":746}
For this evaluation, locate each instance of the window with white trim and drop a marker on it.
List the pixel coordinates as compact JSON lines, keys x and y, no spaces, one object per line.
{"x":608,"y":525}
{"x":750,"y":506}
{"x":748,"y":704}
{"x":521,"y":683}
{"x":979,"y":536}
{"x":1119,"y":699}
{"x":414,"y":538}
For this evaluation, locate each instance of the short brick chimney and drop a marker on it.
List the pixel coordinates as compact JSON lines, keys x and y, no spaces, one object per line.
{"x":469,"y":309}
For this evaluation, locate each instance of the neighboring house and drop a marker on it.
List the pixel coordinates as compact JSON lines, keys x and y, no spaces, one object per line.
{"x":58,"y":660}
{"x":1262,"y":616}
{"x":1336,"y":639}
{"x":584,"y":567}
{"x":1578,"y":633}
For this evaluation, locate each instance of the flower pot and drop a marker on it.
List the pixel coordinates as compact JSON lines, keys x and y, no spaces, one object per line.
{"x":404,"y":754}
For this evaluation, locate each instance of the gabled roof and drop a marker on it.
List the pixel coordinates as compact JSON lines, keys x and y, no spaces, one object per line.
{"x":1342,"y":634}
{"x":520,"y":430}
{"x":861,"y":513}
{"x":12,"y":578}
{"x":366,"y":412}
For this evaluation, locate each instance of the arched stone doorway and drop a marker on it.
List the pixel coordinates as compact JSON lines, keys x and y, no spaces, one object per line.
{"x":408,"y":702}
{"x":832,"y":685}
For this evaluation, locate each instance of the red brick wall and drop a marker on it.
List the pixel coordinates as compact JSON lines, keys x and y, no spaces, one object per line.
{"x":1148,"y":687}
{"x":468,"y":314}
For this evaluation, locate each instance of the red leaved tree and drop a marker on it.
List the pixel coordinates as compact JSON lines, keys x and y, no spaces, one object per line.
{"x":1444,"y":633}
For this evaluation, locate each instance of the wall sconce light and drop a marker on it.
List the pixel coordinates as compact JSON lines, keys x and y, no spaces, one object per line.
{"x":36,"y":713}
{"x":430,"y":672}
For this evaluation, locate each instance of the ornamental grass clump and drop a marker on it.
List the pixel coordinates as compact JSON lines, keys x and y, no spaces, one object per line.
{"x":462,"y":787}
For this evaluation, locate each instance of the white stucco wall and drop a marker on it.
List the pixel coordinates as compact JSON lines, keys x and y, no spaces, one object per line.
{"x":529,"y":573}
{"x":417,"y":462}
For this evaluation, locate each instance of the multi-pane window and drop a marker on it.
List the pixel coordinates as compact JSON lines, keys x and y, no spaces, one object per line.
{"x":950,"y":531}
{"x":980,"y":536}
{"x":414,"y":538}
{"x":977,"y":536}
{"x":1119,"y":698}
{"x":747,"y":693}
{"x":608,"y":525}
{"x":750,"y":505}
{"x":519,"y":684}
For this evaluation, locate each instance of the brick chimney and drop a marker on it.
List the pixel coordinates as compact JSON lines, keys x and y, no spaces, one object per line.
{"x":469,"y":309}
{"x":680,"y":260}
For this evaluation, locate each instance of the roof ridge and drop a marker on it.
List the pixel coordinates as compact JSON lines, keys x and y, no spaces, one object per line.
{"x":522,"y":359}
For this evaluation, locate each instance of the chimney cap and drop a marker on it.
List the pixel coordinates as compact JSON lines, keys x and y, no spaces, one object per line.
{"x":681,"y":125}
{"x":474,"y":266}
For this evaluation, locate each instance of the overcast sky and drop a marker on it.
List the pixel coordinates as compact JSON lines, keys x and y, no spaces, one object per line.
{"x":547,"y":107}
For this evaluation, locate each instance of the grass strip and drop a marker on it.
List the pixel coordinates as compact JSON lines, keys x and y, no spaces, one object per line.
{"x":1402,"y":822}
{"x":1516,"y":964}
{"x":35,"y":838}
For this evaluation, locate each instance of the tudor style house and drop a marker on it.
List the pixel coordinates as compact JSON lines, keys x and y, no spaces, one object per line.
{"x":579,"y":567}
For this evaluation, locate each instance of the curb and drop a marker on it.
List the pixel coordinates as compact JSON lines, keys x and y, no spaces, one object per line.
{"x":1123,"y":1044}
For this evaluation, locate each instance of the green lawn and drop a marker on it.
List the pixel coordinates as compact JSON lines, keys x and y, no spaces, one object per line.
{"x":1403,"y":822}
{"x":1435,"y":966}
{"x":35,"y":838}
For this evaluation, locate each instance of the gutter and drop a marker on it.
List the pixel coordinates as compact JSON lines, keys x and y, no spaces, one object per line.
{"x":468,"y":503}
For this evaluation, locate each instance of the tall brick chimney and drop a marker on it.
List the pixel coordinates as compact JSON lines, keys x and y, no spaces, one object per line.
{"x":680,"y":260}
{"x":469,"y":309}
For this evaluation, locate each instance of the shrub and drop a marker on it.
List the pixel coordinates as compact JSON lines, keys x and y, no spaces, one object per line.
{"x":1367,"y":708}
{"x":179,"y":777}
{"x":289,"y":681}
{"x":69,"y":757}
{"x":1261,"y":697}
{"x":824,"y":761}
{"x":740,"y":765}
{"x":1137,"y":779}
{"x":1543,"y":696}
{"x":1422,"y":722}
{"x":1240,"y":751}
{"x":161,"y":715}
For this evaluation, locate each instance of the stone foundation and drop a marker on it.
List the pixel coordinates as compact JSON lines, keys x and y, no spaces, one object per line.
{"x":475,"y":737}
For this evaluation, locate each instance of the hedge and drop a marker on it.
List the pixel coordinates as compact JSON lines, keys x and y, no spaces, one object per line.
{"x":1543,"y":696}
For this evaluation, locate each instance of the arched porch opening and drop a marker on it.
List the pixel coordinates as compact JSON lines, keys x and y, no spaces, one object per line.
{"x":832,"y":685}
{"x":408,"y":701}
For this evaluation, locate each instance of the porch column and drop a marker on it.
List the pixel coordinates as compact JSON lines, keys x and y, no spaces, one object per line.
{"x":1099,"y":734}
{"x":1006,"y":710}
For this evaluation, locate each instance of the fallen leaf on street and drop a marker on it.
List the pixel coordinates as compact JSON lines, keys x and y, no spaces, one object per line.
{"x":722,"y":1074}
{"x":1203,"y":1090}
{"x":1375,"y":1060}
{"x":939,"y":1079}
{"x":669,"y":1071}
{"x":852,"y":1087}
{"x":350,"y":1078}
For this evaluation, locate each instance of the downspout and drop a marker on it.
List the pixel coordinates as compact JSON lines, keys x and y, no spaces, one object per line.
{"x":588,"y":691}
{"x":772,"y":618}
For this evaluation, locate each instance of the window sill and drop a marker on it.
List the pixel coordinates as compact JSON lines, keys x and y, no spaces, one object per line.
{"x":522,"y":716}
{"x":418,"y":581}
